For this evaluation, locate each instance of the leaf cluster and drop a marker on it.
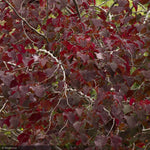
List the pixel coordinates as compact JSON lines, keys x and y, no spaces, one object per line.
{"x":75,"y":74}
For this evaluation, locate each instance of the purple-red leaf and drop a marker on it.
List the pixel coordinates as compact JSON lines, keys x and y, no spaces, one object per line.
{"x":24,"y":137}
{"x":31,"y":51}
{"x":100,"y":141}
{"x":35,"y":117}
{"x":116,"y":141}
{"x":39,"y":90}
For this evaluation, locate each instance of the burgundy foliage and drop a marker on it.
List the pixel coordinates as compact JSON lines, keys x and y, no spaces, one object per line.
{"x":74,"y":75}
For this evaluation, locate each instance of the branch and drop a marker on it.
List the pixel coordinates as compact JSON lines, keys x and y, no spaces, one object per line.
{"x":5,"y":65}
{"x":63,"y":70}
{"x":69,"y":10}
{"x":64,"y":80}
{"x":145,"y":130}
{"x":146,"y":18}
{"x":23,"y":24}
{"x":49,"y":77}
{"x":3,"y":106}
{"x":103,"y":2}
{"x":51,"y":114}
{"x":88,"y":98}
{"x":141,"y":5}
{"x":115,"y":2}
{"x":77,"y":9}
{"x":26,"y":33}
{"x":133,"y":148}
{"x":147,"y":145}
{"x":63,"y":126}
{"x":25,"y":21}
{"x":113,"y":124}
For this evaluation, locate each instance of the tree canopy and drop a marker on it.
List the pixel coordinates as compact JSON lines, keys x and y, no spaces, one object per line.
{"x":75,"y":74}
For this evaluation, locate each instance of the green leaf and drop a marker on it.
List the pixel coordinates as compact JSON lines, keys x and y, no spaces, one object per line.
{"x":132,"y":70}
{"x":135,"y":86}
{"x":146,"y":54}
{"x":93,"y":93}
{"x":7,"y":133}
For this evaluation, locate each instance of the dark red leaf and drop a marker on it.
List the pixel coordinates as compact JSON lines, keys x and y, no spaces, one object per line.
{"x":5,"y":57}
{"x":42,"y":3}
{"x":13,"y":83}
{"x":35,"y":117}
{"x":132,"y":100}
{"x":39,"y":76}
{"x":145,"y":102}
{"x":30,"y":62}
{"x":46,"y":104}
{"x":85,"y":5}
{"x":91,"y":55}
{"x":23,"y":138}
{"x":7,"y":121}
{"x":49,"y":21}
{"x":102,"y":15}
{"x":94,"y":1}
{"x":23,"y":78}
{"x":78,"y":142}
{"x":31,"y":51}
{"x":141,"y":144}
{"x":135,"y":5}
{"x":143,"y":1}
{"x":23,"y":50}
{"x":20,"y":58}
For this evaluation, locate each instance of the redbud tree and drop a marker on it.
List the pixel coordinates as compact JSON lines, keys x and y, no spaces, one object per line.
{"x":75,"y":74}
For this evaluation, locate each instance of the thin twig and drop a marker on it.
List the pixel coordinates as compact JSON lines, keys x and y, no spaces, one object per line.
{"x":26,"y":33}
{"x":64,"y":80}
{"x":58,"y":148}
{"x":146,"y":147}
{"x":51,"y":55}
{"x":63,"y":126}
{"x":22,"y":23}
{"x":50,"y":75}
{"x":115,"y":2}
{"x":51,"y":114}
{"x":88,"y":98}
{"x":146,"y":18}
{"x":77,"y":9}
{"x":63,"y":71}
{"x":141,"y":5}
{"x":111,"y":127}
{"x":103,"y":2}
{"x":5,"y":65}
{"x":25,"y":21}
{"x":99,"y":8}
{"x":133,"y":148}
{"x":113,"y":124}
{"x":145,"y":130}
{"x":69,"y":10}
{"x":3,"y":106}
